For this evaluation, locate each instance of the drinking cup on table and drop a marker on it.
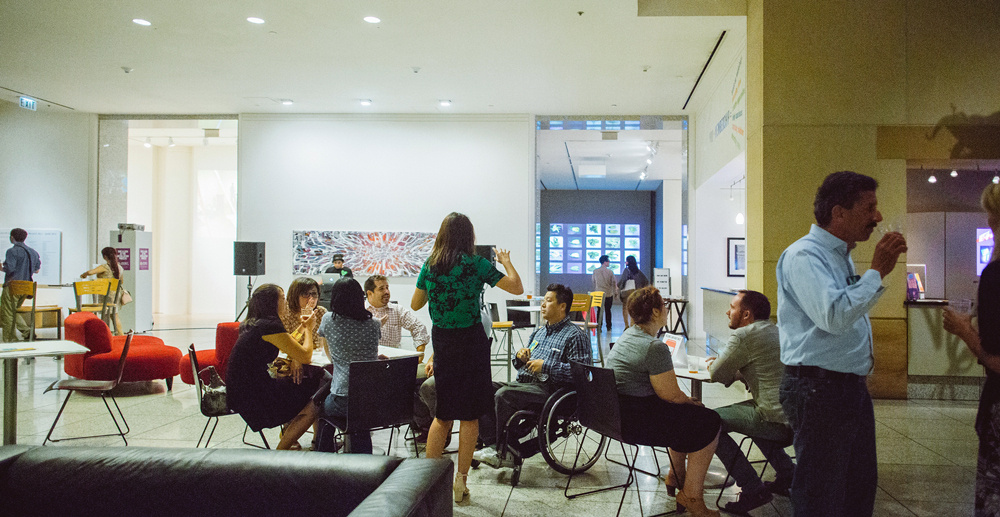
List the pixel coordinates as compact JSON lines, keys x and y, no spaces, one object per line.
{"x":693,"y":363}
{"x":961,"y":306}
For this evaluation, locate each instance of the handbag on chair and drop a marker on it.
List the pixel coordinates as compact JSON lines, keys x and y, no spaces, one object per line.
{"x":213,"y":400}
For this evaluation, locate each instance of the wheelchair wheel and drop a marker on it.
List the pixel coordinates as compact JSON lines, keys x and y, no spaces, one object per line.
{"x":560,"y":435}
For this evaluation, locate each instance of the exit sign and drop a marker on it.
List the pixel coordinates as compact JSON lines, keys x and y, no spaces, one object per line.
{"x":29,"y":103}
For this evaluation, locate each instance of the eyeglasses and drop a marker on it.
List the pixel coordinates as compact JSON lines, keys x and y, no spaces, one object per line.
{"x":311,"y":294}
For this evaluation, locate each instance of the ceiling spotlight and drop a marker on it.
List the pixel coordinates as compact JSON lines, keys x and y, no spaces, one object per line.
{"x":444,"y":102}
{"x":739,"y":218}
{"x":996,"y":179}
{"x":170,"y":142}
{"x":649,"y":161}
{"x":287,"y":102}
{"x":372,"y":19}
{"x":954,"y":174}
{"x":932,"y":179}
{"x":648,"y":148}
{"x":365,"y":102}
{"x":140,"y":21}
{"x":147,"y":144}
{"x":642,"y":176}
{"x":254,"y":19}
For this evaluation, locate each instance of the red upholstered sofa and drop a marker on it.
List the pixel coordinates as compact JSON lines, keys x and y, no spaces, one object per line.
{"x":225,"y":337}
{"x":148,"y":358}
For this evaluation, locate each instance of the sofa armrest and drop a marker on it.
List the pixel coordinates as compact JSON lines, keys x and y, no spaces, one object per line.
{"x":419,"y":487}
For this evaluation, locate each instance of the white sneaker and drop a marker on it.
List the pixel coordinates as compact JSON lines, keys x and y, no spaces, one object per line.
{"x":489,"y":456}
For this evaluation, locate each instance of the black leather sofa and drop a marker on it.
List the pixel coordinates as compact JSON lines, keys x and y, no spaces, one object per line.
{"x":218,"y":482}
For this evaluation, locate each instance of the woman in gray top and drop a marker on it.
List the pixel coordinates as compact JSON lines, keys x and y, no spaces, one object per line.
{"x":351,"y":335}
{"x":654,"y":410}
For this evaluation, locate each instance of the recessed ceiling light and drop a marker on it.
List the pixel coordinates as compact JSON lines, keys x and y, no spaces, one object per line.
{"x":140,"y":21}
{"x":287,"y":102}
{"x":254,"y":19}
{"x":372,"y":19}
{"x":444,"y":102}
{"x":365,"y":102}
{"x":954,"y":174}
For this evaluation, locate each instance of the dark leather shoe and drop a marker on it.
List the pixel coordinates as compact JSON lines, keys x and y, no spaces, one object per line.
{"x":778,"y":487}
{"x":749,"y":501}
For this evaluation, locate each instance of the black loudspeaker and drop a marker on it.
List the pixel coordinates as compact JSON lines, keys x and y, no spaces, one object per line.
{"x":248,"y":258}
{"x":486,"y":251}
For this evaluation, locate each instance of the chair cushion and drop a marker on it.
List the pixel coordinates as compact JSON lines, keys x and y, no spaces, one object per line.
{"x":225,"y":338}
{"x":206,"y":358}
{"x":148,"y":359}
{"x":88,"y":330}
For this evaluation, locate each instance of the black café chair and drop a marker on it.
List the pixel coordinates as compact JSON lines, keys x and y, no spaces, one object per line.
{"x":598,"y":411}
{"x":379,"y":396}
{"x":102,"y":387}
{"x":213,"y":417}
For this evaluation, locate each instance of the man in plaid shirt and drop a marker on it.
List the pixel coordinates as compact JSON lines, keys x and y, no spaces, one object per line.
{"x":542,"y":368}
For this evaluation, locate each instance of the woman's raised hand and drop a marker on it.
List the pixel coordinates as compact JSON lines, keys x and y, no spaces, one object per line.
{"x":503,"y":256}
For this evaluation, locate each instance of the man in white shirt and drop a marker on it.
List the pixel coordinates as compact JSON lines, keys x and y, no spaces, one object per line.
{"x":394,"y":318}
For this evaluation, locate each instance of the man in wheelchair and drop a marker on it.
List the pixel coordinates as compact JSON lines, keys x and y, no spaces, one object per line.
{"x":543,"y":368}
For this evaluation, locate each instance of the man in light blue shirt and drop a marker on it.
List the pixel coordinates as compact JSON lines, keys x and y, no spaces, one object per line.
{"x":20,"y":263}
{"x":826,"y":346}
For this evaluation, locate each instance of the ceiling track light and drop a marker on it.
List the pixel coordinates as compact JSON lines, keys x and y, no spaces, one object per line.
{"x":287,"y":102}
{"x":147,"y":144}
{"x":444,"y":102}
{"x":170,"y":142}
{"x":140,"y":21}
{"x":372,"y":19}
{"x":996,"y":179}
{"x":255,"y":20}
{"x":365,"y":102}
{"x":932,"y":179}
{"x":954,"y":173}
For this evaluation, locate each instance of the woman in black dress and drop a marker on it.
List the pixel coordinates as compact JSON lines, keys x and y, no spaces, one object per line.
{"x":451,"y":281}
{"x":263,"y":401}
{"x":985,"y":344}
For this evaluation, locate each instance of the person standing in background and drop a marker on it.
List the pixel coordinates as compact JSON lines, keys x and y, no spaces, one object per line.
{"x":984,"y":343}
{"x":631,"y":280}
{"x":110,"y":269}
{"x":20,"y":263}
{"x":338,"y":267}
{"x":828,"y":351}
{"x":604,"y":280}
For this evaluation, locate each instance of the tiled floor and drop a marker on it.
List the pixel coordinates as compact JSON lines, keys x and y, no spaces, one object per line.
{"x":926,"y":449}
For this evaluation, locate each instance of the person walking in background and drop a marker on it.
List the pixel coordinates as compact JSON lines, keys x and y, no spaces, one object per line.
{"x":451,"y":282}
{"x":604,"y":280}
{"x":827,"y":348}
{"x":20,"y":263}
{"x":109,"y":269}
{"x":984,"y":343}
{"x":630,"y":280}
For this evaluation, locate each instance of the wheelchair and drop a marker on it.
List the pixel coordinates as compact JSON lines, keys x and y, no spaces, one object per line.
{"x":555,"y":432}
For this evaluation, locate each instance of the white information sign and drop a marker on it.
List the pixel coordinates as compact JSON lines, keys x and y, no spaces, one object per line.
{"x":48,"y":244}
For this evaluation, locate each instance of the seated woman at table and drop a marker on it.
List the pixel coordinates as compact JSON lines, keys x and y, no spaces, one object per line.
{"x":109,"y":269}
{"x":264,"y":401}
{"x":351,"y":335}
{"x":302,"y":300}
{"x":654,"y":410}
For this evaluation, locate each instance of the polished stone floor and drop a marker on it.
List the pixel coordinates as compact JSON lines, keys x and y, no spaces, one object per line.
{"x":926,"y":449}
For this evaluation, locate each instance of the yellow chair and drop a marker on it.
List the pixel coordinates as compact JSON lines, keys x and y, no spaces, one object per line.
{"x":35,"y":311}
{"x":596,"y":305}
{"x":102,"y":288}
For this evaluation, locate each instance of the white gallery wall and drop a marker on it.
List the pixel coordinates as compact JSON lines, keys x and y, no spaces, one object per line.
{"x":186,"y":196}
{"x":48,"y":171}
{"x":386,"y":173}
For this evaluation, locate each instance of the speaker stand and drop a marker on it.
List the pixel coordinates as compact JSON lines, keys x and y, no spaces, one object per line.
{"x":249,"y":294}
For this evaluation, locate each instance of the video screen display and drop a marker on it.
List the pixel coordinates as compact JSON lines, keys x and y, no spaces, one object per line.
{"x":617,"y":241}
{"x":984,"y":249}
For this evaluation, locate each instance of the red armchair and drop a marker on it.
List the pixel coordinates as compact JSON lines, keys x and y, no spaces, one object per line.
{"x":225,"y":337}
{"x":148,"y":357}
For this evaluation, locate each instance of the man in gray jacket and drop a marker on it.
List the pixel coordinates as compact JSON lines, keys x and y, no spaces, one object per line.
{"x":752,"y":355}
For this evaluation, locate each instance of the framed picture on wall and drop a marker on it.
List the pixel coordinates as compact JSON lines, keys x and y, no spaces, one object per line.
{"x":736,"y":256}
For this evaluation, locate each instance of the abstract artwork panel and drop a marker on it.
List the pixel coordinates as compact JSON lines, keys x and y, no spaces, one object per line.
{"x":574,"y":268}
{"x":393,"y":254}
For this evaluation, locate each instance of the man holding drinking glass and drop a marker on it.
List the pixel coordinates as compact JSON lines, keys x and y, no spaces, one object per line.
{"x":827,"y":348}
